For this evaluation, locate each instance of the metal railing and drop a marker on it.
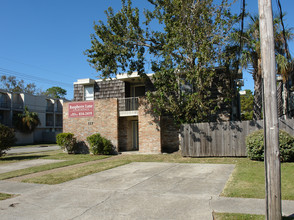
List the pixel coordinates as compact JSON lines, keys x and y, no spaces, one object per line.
{"x":5,"y":104}
{"x":17,"y":105}
{"x":128,"y":104}
{"x":49,"y":108}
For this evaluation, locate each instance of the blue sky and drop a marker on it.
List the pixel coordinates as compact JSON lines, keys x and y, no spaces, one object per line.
{"x":43,"y":41}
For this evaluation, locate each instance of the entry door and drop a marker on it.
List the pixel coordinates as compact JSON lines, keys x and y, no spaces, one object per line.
{"x":135,"y":136}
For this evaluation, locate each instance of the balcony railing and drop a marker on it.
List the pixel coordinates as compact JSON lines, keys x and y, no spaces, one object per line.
{"x":4,"y":104}
{"x":17,"y":105}
{"x":49,"y":108}
{"x":49,"y":123}
{"x":128,"y":106}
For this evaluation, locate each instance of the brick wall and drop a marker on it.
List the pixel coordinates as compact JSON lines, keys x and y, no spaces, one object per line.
{"x":149,"y":129}
{"x":169,"y":135}
{"x":105,"y":121}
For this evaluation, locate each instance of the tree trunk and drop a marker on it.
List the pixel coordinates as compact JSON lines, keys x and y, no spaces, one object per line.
{"x":257,"y":104}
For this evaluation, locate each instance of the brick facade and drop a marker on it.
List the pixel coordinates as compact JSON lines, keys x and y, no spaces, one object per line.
{"x":149,"y":129}
{"x":104,"y":121}
{"x":169,"y":135}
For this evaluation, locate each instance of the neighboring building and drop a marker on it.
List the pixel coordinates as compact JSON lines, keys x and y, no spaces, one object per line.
{"x":117,"y":110}
{"x":49,"y":112}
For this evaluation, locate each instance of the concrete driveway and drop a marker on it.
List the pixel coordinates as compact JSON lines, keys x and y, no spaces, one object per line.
{"x":133,"y":191}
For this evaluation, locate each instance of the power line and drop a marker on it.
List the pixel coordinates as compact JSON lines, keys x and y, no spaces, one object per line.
{"x":34,"y":66}
{"x":33,"y":78}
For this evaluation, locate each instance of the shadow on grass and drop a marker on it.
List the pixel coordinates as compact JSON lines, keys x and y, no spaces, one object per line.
{"x":28,"y":157}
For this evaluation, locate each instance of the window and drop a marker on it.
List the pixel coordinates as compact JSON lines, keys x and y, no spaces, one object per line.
{"x":137,"y":91}
{"x":89,"y":92}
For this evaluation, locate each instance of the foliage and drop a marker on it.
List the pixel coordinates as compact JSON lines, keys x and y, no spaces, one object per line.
{"x":100,"y":145}
{"x":247,"y":105}
{"x":184,"y":50}
{"x":7,"y":139}
{"x":11,"y":84}
{"x":56,"y":92}
{"x":67,"y":141}
{"x":27,"y":121}
{"x":255,"y":146}
{"x":251,"y":56}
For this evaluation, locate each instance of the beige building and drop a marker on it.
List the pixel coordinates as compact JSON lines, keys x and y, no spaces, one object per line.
{"x":49,"y":112}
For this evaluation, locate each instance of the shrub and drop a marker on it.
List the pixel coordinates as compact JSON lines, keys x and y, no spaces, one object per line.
{"x":67,"y":141}
{"x":99,"y":144}
{"x":7,"y":139}
{"x":255,"y":146}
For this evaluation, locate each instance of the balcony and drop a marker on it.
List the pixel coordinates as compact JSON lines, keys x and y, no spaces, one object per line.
{"x":49,"y":108}
{"x":17,"y":105}
{"x":49,"y":123}
{"x":5,"y":104}
{"x":128,"y":106}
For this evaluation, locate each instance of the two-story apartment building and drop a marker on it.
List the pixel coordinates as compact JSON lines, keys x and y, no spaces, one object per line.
{"x":49,"y":112}
{"x":117,"y":110}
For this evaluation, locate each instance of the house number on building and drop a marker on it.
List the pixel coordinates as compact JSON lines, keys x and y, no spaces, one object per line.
{"x":90,"y":123}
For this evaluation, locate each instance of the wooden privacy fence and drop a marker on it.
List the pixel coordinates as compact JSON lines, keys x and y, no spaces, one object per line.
{"x":218,"y":139}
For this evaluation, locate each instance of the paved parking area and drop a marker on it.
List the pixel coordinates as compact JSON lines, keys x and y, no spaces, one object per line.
{"x":133,"y":191}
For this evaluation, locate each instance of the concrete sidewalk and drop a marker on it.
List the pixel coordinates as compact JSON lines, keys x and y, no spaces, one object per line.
{"x":133,"y":191}
{"x":4,"y":168}
{"x":41,"y":148}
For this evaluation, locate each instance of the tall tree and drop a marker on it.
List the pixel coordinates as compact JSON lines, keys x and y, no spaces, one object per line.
{"x":184,"y":49}
{"x":251,"y":56}
{"x":56,"y":92}
{"x":247,"y":105}
{"x":11,"y":84}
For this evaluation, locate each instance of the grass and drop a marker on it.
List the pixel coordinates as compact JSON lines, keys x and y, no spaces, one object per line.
{"x":247,"y":180}
{"x":234,"y":216}
{"x":64,"y":176}
{"x":70,"y":159}
{"x":4,"y":196}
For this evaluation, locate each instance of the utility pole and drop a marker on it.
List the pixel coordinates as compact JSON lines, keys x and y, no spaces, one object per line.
{"x":270,"y":113}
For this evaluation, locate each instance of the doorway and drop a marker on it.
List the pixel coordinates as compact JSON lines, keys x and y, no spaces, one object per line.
{"x":135,"y":135}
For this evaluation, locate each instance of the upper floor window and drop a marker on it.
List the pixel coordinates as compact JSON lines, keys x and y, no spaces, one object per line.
{"x":89,"y":92}
{"x":137,"y":91}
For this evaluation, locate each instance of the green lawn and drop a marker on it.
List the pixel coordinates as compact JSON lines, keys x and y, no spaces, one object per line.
{"x":246,"y":181}
{"x":70,"y":159}
{"x":234,"y":216}
{"x":5,"y":196}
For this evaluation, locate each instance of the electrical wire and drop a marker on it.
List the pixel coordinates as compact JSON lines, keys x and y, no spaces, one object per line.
{"x":4,"y":71}
{"x":284,"y":32}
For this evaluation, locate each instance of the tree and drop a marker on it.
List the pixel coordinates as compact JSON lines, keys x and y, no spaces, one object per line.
{"x":27,"y":121}
{"x":247,"y":105}
{"x":11,"y":84}
{"x":7,"y":139}
{"x":184,"y":50}
{"x":56,"y":92}
{"x":251,"y":57}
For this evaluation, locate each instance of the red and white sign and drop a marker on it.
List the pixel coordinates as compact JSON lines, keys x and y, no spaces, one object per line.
{"x":81,"y":109}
